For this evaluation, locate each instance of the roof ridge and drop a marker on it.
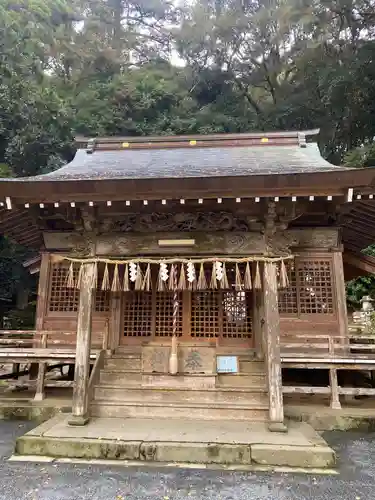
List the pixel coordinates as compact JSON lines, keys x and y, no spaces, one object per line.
{"x":297,"y":138}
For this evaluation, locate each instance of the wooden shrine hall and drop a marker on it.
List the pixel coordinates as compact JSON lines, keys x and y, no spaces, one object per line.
{"x":179,"y":274}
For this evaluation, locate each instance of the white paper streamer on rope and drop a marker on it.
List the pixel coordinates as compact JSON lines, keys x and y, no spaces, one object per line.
{"x":164,"y":271}
{"x":212,"y":272}
{"x":133,"y":271}
{"x":219,"y":271}
{"x":190,"y":272}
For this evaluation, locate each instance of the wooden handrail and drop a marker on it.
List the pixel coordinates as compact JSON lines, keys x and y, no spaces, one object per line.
{"x":95,"y":373}
{"x":44,"y":337}
{"x":329,"y":346}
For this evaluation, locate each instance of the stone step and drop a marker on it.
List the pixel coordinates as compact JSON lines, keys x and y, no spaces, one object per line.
{"x":105,"y":408}
{"x":241,"y":380}
{"x":255,"y":396}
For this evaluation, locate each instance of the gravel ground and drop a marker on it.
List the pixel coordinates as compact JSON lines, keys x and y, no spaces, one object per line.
{"x":30,"y":481}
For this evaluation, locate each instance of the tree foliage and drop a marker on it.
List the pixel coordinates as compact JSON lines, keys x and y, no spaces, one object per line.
{"x":137,"y":67}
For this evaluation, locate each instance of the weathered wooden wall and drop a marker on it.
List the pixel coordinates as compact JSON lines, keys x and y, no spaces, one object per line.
{"x":64,"y":321}
{"x":208,"y":243}
{"x":307,"y":243}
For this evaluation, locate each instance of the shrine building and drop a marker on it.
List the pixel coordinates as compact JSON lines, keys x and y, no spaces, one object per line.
{"x":189,"y":262}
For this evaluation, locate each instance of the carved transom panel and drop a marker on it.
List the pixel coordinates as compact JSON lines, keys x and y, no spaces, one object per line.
{"x":185,"y":221}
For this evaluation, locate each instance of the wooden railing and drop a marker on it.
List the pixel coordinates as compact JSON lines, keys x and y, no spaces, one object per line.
{"x":43,"y":348}
{"x":95,"y":373}
{"x":352,"y":352}
{"x":44,"y":338}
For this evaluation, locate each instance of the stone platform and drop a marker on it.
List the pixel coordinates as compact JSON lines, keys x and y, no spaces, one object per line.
{"x":179,"y":440}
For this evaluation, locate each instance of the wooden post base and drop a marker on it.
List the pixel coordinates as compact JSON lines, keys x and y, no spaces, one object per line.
{"x":78,"y":421}
{"x":335,"y":398}
{"x":277,"y":427}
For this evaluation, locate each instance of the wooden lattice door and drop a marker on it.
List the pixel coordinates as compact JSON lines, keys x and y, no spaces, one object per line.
{"x":221,"y":315}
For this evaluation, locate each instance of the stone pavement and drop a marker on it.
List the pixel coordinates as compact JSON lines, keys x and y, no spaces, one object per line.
{"x":179,"y":440}
{"x":71,"y":481}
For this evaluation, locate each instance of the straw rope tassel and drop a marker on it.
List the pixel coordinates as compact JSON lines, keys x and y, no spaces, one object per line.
{"x":94,"y":283}
{"x":248,"y":284}
{"x":146,"y":285}
{"x":284,"y":278}
{"x":139,"y":279}
{"x":171,"y":281}
{"x":79,"y":279}
{"x":257,"y":280}
{"x":116,"y":286}
{"x":70,"y":277}
{"x":224,"y":280}
{"x":105,"y":281}
{"x":213,"y":282}
{"x":238,"y":280}
{"x":182,"y":281}
{"x":202,"y":281}
{"x":125,"y":284}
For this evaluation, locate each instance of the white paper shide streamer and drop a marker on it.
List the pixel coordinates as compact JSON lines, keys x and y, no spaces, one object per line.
{"x":190,"y":272}
{"x":133,"y":271}
{"x":219,"y":270}
{"x":164,"y":271}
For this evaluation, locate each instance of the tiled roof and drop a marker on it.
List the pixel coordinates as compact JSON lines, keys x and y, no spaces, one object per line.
{"x":191,"y":162}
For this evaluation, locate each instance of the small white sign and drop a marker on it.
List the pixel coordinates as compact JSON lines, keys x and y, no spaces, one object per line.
{"x":227,"y":364}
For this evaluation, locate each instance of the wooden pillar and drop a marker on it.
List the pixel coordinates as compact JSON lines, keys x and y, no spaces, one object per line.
{"x":335,"y":397}
{"x":272,"y":348}
{"x":342,"y":314}
{"x":115,"y":320}
{"x":258,"y":323}
{"x":43,"y":287}
{"x":39,"y":393}
{"x":80,"y":406}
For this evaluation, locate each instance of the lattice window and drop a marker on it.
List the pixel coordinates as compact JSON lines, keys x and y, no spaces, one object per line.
{"x":310,"y":290}
{"x":61,"y":298}
{"x":288,"y":302}
{"x":138,"y":314}
{"x":164,"y":314}
{"x":315,"y":287}
{"x":236,"y":315}
{"x":102,"y":301}
{"x":205,"y":314}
